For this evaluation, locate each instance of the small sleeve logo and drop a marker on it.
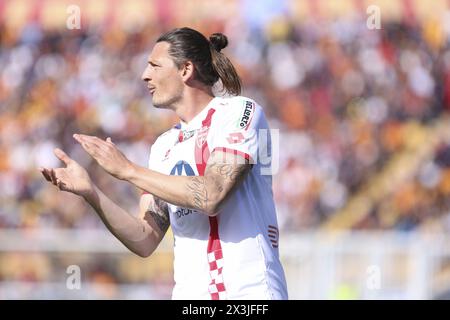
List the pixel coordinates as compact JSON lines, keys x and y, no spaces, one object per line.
{"x":247,"y":115}
{"x":273,"y":235}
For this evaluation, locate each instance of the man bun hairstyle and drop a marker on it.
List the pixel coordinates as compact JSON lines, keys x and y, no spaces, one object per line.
{"x":210,"y":64}
{"x":218,"y":41}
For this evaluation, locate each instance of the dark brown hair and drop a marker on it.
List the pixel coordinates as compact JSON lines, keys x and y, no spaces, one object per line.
{"x":210,"y":64}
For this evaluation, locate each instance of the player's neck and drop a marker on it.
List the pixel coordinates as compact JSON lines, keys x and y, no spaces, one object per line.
{"x":192,"y":103}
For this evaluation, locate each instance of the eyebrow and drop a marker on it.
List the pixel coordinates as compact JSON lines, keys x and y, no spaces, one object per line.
{"x":155,"y":63}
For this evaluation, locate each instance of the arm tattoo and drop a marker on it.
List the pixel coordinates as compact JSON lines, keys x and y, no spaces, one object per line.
{"x":222,"y":176}
{"x":230,"y":171}
{"x":158,"y":210}
{"x":197,"y":187}
{"x":218,"y":185}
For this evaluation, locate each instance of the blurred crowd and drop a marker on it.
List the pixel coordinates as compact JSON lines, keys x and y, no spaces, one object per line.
{"x":342,"y":95}
{"x":349,"y":99}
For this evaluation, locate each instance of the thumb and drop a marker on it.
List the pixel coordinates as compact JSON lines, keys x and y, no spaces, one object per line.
{"x":61,"y":155}
{"x":109,"y":140}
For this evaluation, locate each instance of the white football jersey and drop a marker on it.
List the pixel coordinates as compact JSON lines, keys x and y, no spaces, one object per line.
{"x":233,"y":255}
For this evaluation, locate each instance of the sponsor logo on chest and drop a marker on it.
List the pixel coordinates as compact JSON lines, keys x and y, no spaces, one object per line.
{"x":182,"y":212}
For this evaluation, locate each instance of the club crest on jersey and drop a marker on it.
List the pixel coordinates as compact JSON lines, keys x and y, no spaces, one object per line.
{"x":247,"y":115}
{"x":201,"y":136}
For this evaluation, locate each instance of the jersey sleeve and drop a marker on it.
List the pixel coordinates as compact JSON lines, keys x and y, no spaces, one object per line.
{"x":151,"y":162}
{"x":151,"y":158}
{"x":236,"y":129}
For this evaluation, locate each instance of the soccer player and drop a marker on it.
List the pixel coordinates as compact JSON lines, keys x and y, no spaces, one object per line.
{"x":204,"y":178}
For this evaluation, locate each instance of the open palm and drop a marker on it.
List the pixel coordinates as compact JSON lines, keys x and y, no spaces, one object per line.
{"x":73,"y":178}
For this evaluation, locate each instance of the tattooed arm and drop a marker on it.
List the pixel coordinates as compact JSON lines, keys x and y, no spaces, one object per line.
{"x":142,"y":234}
{"x":223,"y":174}
{"x":208,"y":192}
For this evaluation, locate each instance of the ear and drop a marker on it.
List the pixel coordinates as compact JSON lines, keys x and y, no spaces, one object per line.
{"x":187,"y":71}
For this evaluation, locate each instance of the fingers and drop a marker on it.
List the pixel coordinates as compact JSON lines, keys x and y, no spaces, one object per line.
{"x":85,"y":138}
{"x":53,"y":177}
{"x":50,"y":176}
{"x":92,"y":145}
{"x":61,"y":155}
{"x":92,"y":139}
{"x":45,"y":172}
{"x":61,"y":185}
{"x":84,"y":144}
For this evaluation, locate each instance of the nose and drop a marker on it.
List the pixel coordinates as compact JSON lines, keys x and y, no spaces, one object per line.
{"x":146,"y":74}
